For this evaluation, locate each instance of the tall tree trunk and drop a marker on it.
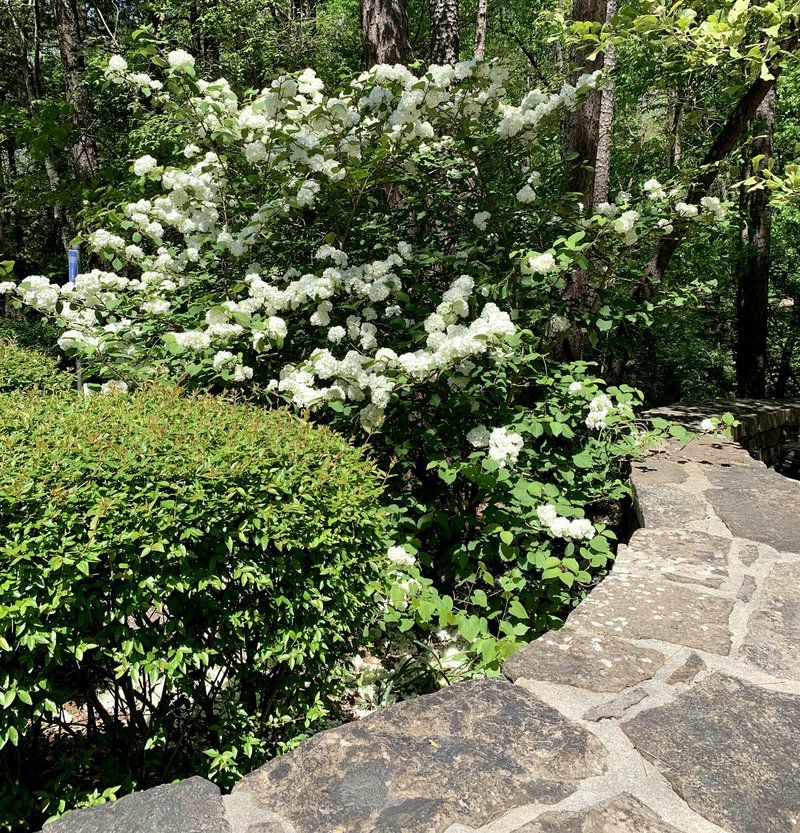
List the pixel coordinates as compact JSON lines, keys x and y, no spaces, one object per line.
{"x":580,"y":132}
{"x":385,"y":32}
{"x":70,"y":44}
{"x":602,"y":168}
{"x":753,"y":289}
{"x":480,"y":30}
{"x":444,"y":31}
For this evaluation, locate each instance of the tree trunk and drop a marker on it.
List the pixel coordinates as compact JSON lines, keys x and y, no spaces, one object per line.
{"x":602,"y":168}
{"x":753,"y":289}
{"x":480,"y":30}
{"x":581,"y":130}
{"x":444,"y":31}
{"x":84,"y":151}
{"x":385,"y":32}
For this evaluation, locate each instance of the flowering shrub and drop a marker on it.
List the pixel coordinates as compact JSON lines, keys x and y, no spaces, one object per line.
{"x":183,"y":578}
{"x":388,"y":257}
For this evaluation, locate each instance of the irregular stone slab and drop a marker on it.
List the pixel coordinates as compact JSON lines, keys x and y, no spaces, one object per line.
{"x":767,"y":513}
{"x":621,"y":814}
{"x":730,"y":751}
{"x":631,"y":605}
{"x":655,"y":471}
{"x":460,"y":755}
{"x":746,"y":589}
{"x":748,"y":555}
{"x":715,"y":451}
{"x":193,"y":806}
{"x":772,"y":642}
{"x":667,"y":506}
{"x":615,"y":708}
{"x":593,"y":662}
{"x":245,"y":817}
{"x":688,"y":671}
{"x":680,"y":555}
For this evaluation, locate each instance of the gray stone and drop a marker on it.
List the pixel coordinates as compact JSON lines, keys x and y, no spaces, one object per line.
{"x":667,"y":506}
{"x":716,"y":451}
{"x":246,"y":817}
{"x":761,"y":510}
{"x":748,"y":555}
{"x":636,"y":606}
{"x":621,"y":814}
{"x":772,"y":642}
{"x":193,"y":806}
{"x":614,"y":709}
{"x":655,"y":471}
{"x":746,"y":589}
{"x":680,"y":555}
{"x":593,"y":662}
{"x":460,"y":755}
{"x":688,"y":671}
{"x":730,"y":751}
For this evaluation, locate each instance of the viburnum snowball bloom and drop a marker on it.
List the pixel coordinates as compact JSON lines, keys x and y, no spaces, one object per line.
{"x":546,"y":514}
{"x":539,"y":264}
{"x":180,"y":59}
{"x":606,"y":209}
{"x":114,"y":386}
{"x":526,"y":194}
{"x":654,"y":190}
{"x":478,"y":437}
{"x":599,"y":409}
{"x":575,"y":388}
{"x":481,"y":219}
{"x":504,"y":447}
{"x":707,"y":425}
{"x":144,"y":165}
{"x":400,"y":557}
{"x":686,"y":210}
{"x":560,"y":527}
{"x":117,"y":63}
{"x":6,"y":287}
{"x":713,"y":205}
{"x":581,"y":528}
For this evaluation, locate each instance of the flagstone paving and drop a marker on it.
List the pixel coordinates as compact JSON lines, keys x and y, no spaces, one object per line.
{"x":668,"y":703}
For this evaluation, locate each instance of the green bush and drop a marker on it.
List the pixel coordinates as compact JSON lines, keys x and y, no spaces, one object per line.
{"x":32,"y":332}
{"x":21,"y":369}
{"x":181,"y":579}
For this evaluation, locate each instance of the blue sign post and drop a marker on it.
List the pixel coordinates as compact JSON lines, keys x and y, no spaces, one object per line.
{"x":73,"y":262}
{"x":73,"y":268}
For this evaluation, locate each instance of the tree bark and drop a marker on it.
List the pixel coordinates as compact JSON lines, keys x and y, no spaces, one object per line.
{"x":725,"y":142}
{"x":480,"y":30}
{"x":444,"y":31}
{"x":385,"y":32}
{"x":70,"y":44}
{"x":581,"y":130}
{"x":602,"y":168}
{"x":753,"y":289}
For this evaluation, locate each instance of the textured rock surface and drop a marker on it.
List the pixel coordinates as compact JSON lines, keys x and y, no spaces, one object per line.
{"x":592,"y":662}
{"x":623,"y":814}
{"x":193,"y":806}
{"x":667,"y":506}
{"x":730,"y":750}
{"x":461,"y":755}
{"x":680,"y":555}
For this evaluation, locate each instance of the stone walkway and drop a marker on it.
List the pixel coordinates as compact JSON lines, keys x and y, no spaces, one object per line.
{"x":669,"y":702}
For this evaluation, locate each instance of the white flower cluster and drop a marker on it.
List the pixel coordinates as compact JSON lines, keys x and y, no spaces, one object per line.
{"x":504,"y":447}
{"x":561,"y":527}
{"x":599,"y":410}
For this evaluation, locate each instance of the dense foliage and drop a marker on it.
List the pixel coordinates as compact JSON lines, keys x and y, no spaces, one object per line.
{"x":22,"y":368}
{"x":182,"y":578}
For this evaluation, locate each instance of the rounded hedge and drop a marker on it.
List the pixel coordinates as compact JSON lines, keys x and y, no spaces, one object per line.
{"x":22,"y":368}
{"x":181,"y":576}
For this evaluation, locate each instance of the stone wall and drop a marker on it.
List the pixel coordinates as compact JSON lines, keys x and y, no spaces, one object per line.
{"x":668,"y":703}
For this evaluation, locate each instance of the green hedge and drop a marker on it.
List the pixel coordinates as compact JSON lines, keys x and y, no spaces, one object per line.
{"x":180,"y":575}
{"x":22,"y":368}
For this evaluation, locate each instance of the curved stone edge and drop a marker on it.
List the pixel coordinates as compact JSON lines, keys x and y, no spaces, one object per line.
{"x":627,"y":720}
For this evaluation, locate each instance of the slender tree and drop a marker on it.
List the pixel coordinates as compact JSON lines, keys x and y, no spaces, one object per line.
{"x":70,"y":45}
{"x":444,"y":31}
{"x":385,"y":32}
{"x":753,"y":288}
{"x":580,"y":135}
{"x":480,"y":30}
{"x":605,"y":119}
